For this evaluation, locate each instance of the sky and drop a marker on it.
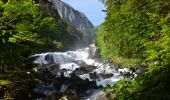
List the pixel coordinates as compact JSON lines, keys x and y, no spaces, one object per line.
{"x":91,"y":8}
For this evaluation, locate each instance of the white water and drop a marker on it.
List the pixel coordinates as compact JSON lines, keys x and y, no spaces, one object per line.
{"x":66,"y":61}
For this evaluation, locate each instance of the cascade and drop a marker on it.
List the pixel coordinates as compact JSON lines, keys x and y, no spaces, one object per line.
{"x":77,"y":73}
{"x":76,"y":66}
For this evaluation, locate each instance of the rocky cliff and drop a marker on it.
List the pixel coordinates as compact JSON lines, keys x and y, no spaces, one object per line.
{"x":74,"y":18}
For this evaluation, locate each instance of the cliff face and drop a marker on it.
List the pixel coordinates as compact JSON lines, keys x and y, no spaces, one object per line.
{"x":74,"y":18}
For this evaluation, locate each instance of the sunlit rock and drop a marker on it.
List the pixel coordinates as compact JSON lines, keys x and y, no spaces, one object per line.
{"x":94,"y":51}
{"x":75,"y":18}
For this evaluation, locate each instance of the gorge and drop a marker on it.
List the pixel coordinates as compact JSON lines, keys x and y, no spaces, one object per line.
{"x":74,"y":71}
{"x":75,"y":75}
{"x":50,"y":51}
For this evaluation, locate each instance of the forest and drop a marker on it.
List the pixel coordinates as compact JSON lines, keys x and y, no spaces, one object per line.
{"x":137,"y":33}
{"x":26,"y":28}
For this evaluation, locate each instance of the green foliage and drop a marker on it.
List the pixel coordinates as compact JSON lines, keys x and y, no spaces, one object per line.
{"x":58,"y":44}
{"x":4,"y":82}
{"x":26,"y":28}
{"x":139,"y":29}
{"x":23,"y":26}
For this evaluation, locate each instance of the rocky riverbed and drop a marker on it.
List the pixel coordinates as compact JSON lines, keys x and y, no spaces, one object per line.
{"x":74,"y":75}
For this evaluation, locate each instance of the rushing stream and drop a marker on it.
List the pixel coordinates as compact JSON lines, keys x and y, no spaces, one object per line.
{"x":89,"y":74}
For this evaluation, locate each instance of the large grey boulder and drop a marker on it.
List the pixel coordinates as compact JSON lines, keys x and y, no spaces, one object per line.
{"x":94,"y":51}
{"x":80,"y":62}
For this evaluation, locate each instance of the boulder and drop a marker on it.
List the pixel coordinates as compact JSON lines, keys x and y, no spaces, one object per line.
{"x":89,"y":68}
{"x":104,"y":76}
{"x":80,"y":62}
{"x":94,"y":75}
{"x":139,"y":70}
{"x":49,"y":58}
{"x":80,"y":71}
{"x":101,"y":97}
{"x":93,"y":51}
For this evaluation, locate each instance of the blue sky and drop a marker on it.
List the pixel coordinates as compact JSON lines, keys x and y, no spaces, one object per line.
{"x":91,"y":8}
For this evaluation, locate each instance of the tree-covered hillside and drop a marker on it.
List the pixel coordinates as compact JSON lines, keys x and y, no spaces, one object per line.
{"x":137,"y":32}
{"x":27,"y":28}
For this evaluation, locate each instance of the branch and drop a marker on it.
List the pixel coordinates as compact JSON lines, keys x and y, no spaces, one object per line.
{"x":7,"y":22}
{"x":12,"y":19}
{"x":3,"y":28}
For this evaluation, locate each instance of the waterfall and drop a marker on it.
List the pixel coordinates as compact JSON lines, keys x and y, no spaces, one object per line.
{"x":80,"y":64}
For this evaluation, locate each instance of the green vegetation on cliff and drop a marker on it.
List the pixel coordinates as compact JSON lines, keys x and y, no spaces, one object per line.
{"x":138,"y":31}
{"x":27,"y":28}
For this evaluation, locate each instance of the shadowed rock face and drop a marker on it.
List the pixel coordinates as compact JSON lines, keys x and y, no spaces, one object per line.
{"x":74,"y":18}
{"x":54,"y":88}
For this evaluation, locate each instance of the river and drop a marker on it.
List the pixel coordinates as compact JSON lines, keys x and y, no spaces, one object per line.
{"x":75,"y":73}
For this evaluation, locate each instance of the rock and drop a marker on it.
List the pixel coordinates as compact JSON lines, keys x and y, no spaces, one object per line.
{"x":94,"y":75}
{"x":53,"y":68}
{"x":104,"y":76}
{"x":80,"y":71}
{"x":80,"y":62}
{"x":89,"y":68}
{"x":99,"y":76}
{"x":139,"y":70}
{"x":49,"y":58}
{"x":46,"y":90}
{"x":74,"y":18}
{"x":101,"y":97}
{"x":132,"y":70}
{"x":115,"y":67}
{"x":83,"y":69}
{"x":128,"y":72}
{"x":93,"y":51}
{"x":64,"y":98}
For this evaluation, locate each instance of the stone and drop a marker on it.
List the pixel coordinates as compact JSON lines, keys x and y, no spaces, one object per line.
{"x":139,"y":70}
{"x":101,"y":97}
{"x":94,"y":75}
{"x":76,"y":19}
{"x":104,"y":76}
{"x":80,"y":62}
{"x":89,"y":68}
{"x":94,"y":51}
{"x":63,"y":98}
{"x":80,"y":71}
